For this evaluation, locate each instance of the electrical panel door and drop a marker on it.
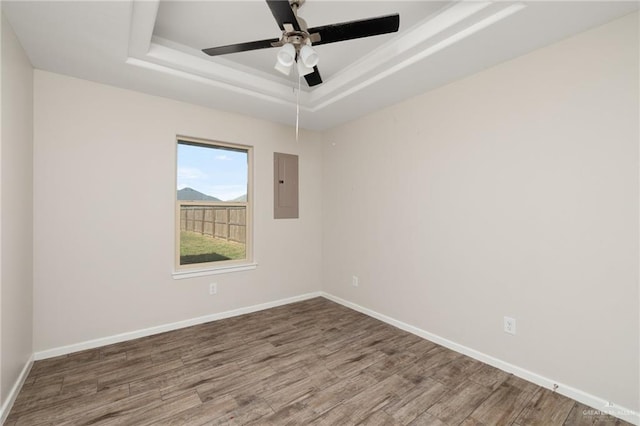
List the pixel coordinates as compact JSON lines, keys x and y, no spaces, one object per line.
{"x":285,"y":171}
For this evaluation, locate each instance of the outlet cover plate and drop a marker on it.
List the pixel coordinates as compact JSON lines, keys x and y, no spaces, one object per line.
{"x":509,"y":325}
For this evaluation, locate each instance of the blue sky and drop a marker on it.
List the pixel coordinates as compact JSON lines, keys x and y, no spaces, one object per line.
{"x":217,"y":172}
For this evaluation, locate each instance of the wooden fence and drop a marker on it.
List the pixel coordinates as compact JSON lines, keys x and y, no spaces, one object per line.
{"x":225,"y":222}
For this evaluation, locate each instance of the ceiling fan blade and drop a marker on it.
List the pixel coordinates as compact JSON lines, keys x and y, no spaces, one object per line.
{"x":240,"y":47}
{"x":356,"y":29}
{"x":282,"y":12}
{"x":314,"y":78}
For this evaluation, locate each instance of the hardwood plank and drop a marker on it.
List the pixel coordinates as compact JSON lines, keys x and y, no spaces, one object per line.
{"x":156,"y":412}
{"x":106,"y":412}
{"x":229,"y":384}
{"x":546,"y":407}
{"x":414,"y":344}
{"x":36,"y":391}
{"x":246,"y":414}
{"x":357,"y":408}
{"x":418,"y":400}
{"x":66,"y":362}
{"x":284,"y":357}
{"x":426,"y":419}
{"x":583,"y":415}
{"x":351,"y":363}
{"x":522,"y":384}
{"x":226,"y":351}
{"x":335,"y":394}
{"x":27,"y":403}
{"x":83,"y":384}
{"x":456,"y":371}
{"x":297,"y":391}
{"x":57,"y":413}
{"x":457,"y":403}
{"x":188,"y":377}
{"x":379,"y":418}
{"x":391,"y":364}
{"x":489,"y":376}
{"x":291,"y":415}
{"x":269,"y":385}
{"x":136,"y":372}
{"x":339,"y":415}
{"x":470,"y":421}
{"x":81,"y":371}
{"x":502,"y":407}
{"x":427,"y":363}
{"x":203,"y":413}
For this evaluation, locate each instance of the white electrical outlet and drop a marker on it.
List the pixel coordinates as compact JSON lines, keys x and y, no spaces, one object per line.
{"x":509,"y":325}
{"x":213,"y":288}
{"x":355,"y":281}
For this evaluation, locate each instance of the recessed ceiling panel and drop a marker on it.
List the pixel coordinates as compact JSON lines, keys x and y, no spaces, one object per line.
{"x":202,"y":24}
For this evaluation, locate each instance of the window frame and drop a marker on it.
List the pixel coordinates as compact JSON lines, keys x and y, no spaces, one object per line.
{"x":221,"y":266}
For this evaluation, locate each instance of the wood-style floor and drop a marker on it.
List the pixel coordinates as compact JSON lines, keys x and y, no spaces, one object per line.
{"x":313,"y":362}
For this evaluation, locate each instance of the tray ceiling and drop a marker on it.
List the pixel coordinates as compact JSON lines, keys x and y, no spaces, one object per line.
{"x":154,"y":47}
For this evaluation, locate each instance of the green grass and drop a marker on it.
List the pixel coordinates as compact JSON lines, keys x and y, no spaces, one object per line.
{"x":197,"y":248}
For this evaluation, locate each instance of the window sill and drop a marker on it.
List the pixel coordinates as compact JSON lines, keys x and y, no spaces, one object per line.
{"x":179,"y":275}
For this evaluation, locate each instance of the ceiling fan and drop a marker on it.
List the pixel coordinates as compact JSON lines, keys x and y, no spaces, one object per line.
{"x":297,"y":39}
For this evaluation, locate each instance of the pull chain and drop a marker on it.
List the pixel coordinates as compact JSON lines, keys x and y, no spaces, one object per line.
{"x":298,"y":108}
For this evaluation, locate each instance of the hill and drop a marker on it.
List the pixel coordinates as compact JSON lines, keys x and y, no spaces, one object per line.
{"x":240,"y":198}
{"x":190,"y":194}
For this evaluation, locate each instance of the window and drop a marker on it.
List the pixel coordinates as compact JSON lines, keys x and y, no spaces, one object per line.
{"x":213,"y":205}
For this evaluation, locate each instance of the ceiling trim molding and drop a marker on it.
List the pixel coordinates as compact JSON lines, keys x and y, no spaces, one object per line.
{"x":459,"y":20}
{"x":229,"y":76}
{"x":147,"y":52}
{"x":207,"y":81}
{"x":143,"y":19}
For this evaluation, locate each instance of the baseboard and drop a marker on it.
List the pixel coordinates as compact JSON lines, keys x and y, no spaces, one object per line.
{"x":103,"y":341}
{"x":15,"y":390}
{"x":597,"y":403}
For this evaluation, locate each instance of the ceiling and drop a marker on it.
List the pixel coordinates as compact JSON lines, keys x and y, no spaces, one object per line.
{"x":154,"y":47}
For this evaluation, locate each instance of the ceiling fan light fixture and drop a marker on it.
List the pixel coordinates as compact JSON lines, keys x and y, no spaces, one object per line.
{"x":284,"y":69}
{"x":287,"y":55}
{"x":297,"y":38}
{"x":303,"y":69}
{"x":309,"y":56}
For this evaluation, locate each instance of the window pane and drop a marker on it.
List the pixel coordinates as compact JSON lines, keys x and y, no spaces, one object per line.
{"x":211,"y":173}
{"x":209,"y":179}
{"x":212,"y":233}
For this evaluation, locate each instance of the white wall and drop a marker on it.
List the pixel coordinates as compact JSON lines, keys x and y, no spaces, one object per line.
{"x":16,"y":192}
{"x":104,"y":190}
{"x":512,"y":192}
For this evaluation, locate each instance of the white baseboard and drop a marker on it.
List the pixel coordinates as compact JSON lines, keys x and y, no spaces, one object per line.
{"x":13,"y":393}
{"x":597,"y":403}
{"x":103,"y":341}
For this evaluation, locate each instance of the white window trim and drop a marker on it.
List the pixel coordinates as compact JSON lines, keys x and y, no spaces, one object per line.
{"x":193,"y":273}
{"x":221,"y":267}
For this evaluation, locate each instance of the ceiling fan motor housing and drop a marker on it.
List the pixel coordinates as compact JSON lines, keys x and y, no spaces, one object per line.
{"x":296,"y":3}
